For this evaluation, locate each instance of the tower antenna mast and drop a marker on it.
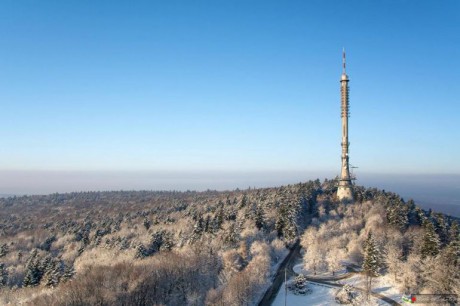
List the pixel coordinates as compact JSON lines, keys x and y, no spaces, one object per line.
{"x":344,"y":190}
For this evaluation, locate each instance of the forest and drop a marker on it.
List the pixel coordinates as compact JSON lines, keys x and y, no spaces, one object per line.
{"x":384,"y":235}
{"x":212,"y":248}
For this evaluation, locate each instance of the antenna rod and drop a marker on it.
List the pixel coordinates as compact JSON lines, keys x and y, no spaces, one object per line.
{"x":343,"y":59}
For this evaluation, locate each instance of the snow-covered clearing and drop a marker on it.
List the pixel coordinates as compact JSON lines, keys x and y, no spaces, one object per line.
{"x":383,"y":285}
{"x":325,"y":295}
{"x":322,"y":295}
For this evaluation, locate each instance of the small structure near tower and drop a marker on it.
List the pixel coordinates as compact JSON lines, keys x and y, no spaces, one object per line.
{"x":345,"y":188}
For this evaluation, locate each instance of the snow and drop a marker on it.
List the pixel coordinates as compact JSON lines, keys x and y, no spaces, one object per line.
{"x":325,"y":295}
{"x":382,"y":284}
{"x":321,"y":296}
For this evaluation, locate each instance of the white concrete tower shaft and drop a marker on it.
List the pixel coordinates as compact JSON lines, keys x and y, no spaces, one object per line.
{"x":345,"y":190}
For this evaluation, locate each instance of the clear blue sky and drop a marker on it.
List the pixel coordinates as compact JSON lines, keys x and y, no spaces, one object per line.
{"x":228,"y":85}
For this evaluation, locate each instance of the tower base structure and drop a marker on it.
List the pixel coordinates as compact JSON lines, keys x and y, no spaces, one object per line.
{"x":344,"y":191}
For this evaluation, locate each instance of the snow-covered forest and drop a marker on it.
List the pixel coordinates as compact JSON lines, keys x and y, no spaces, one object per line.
{"x":384,"y":236}
{"x":212,"y":248}
{"x":146,"y":248}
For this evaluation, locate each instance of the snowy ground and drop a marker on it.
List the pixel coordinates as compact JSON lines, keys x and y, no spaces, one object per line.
{"x":383,"y":285}
{"x":322,"y":296}
{"x":325,"y":295}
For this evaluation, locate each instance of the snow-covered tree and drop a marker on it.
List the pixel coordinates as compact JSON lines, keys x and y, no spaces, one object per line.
{"x":198,"y":228}
{"x":244,"y":201}
{"x":397,"y":214}
{"x":3,"y":250}
{"x":372,"y":261}
{"x":299,"y":285}
{"x":53,"y":273}
{"x":146,"y":223}
{"x":431,"y":243}
{"x":346,"y":295}
{"x":410,"y":273}
{"x":208,"y":224}
{"x":454,"y":232}
{"x":32,"y":274}
{"x":315,"y":250}
{"x":394,"y":260}
{"x":286,"y":222}
{"x":167,"y":241}
{"x":442,"y":273}
{"x":231,"y":235}
{"x":68,"y":272}
{"x":3,"y":275}
{"x":260,"y":217}
{"x":155,"y":242}
{"x":334,"y":258}
{"x":218,"y":219}
{"x":314,"y":258}
{"x":441,"y":228}
{"x":141,"y":251}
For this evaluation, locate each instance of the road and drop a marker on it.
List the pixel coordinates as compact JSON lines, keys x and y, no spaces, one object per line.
{"x":288,"y":264}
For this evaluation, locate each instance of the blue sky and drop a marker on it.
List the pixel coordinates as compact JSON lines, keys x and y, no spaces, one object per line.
{"x":228,"y":85}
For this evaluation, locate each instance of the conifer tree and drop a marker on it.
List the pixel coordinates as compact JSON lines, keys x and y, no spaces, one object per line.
{"x":372,"y":261}
{"x":244,"y":201}
{"x":452,"y":253}
{"x":218,"y":219}
{"x":33,"y":273}
{"x":69,"y":272}
{"x":141,"y":252}
{"x":198,"y":228}
{"x":454,"y":232}
{"x":419,"y":216}
{"x":53,"y":273}
{"x":46,"y":245}
{"x":397,"y":214}
{"x":231,"y":234}
{"x":168,"y":241}
{"x":260,"y":218}
{"x":3,"y":250}
{"x":431,"y":243}
{"x":207,"y":224}
{"x":280,"y":223}
{"x":147,"y":223}
{"x":440,"y":226}
{"x":156,"y":242}
{"x":3,"y":275}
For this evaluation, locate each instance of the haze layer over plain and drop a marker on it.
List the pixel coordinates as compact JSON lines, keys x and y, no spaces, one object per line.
{"x":439,"y":192}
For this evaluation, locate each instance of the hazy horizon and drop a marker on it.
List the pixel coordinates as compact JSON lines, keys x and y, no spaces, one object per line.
{"x":436,"y":191}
